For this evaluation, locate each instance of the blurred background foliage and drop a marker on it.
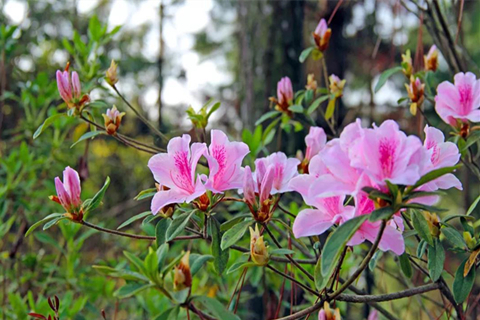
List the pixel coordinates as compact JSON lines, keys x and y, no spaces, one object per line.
{"x":233,"y":51}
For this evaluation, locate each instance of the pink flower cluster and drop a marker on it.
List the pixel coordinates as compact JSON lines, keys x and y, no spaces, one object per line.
{"x":368,"y":157}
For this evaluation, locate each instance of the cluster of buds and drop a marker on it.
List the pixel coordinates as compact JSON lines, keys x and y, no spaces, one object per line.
{"x":431,"y":59}
{"x":262,"y":210}
{"x":284,"y":96}
{"x":68,"y":194}
{"x":111,"y":74}
{"x":407,"y":64}
{"x":433,"y":223}
{"x":258,"y":248}
{"x":336,"y":85}
{"x":166,"y":211}
{"x":113,"y":119}
{"x":70,"y":89}
{"x":328,"y":314}
{"x":311,"y":82}
{"x":415,"y":90}
{"x":321,"y":36}
{"x":182,"y":276}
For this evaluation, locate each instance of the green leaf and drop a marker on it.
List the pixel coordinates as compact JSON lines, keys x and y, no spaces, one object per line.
{"x":52,"y":222}
{"x":472,"y":139}
{"x":213,"y":109}
{"x":436,"y":259}
{"x":453,"y":237}
{"x":135,"y":261}
{"x":170,"y":314}
{"x":405,"y":265}
{"x":161,"y":231}
{"x":305,"y":53}
{"x":422,"y":246}
{"x":231,"y":236}
{"x":315,"y":104}
{"x":161,"y":255}
{"x":330,"y":108}
{"x":281,"y":252}
{"x":296,"y":108}
{"x":373,"y":262}
{"x":38,"y":223}
{"x":381,"y":214}
{"x":215,"y":308}
{"x":337,"y":241}
{"x":134,"y":218}
{"x":197,"y":261}
{"x":423,"y":207}
{"x":463,"y":285}
{"x":473,"y":206}
{"x":432,"y":175}
{"x":421,"y":225}
{"x":221,"y":256}
{"x":384,"y":77}
{"x":453,"y":216}
{"x":240,"y":265}
{"x":317,"y":275}
{"x":97,"y":199}
{"x":131,"y":289}
{"x":266,"y":116}
{"x":47,"y":123}
{"x":178,"y":225}
{"x":308,"y":96}
{"x":88,"y":135}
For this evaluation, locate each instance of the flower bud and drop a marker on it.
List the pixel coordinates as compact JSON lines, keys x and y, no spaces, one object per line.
{"x":182,"y":277}
{"x":258,"y":249}
{"x":249,"y":189}
{"x":431,"y":59}
{"x":407,"y":65}
{"x":68,"y":194}
{"x":433,"y":223}
{"x":284,"y":95}
{"x":416,"y":93}
{"x":328,"y":314}
{"x":469,"y":240}
{"x":111,"y":74}
{"x":113,"y":119}
{"x":311,"y":82}
{"x":336,"y":85}
{"x":203,"y":202}
{"x":70,"y":89}
{"x":322,"y":34}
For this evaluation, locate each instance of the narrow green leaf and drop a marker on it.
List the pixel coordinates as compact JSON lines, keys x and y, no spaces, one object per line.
{"x":197,"y":261}
{"x":89,"y":134}
{"x":315,"y":104}
{"x":423,"y":207}
{"x":240,"y":265}
{"x":296,"y":108}
{"x":381,"y":214}
{"x":317,"y":275}
{"x":384,"y":77}
{"x":131,"y":289}
{"x":436,"y":259}
{"x":161,"y":255}
{"x":330,"y":108}
{"x":221,"y":256}
{"x":38,"y":223}
{"x":305,"y":53}
{"x":281,"y":252}
{"x":170,"y":314}
{"x":473,"y":206}
{"x":215,"y":308}
{"x":52,"y":222}
{"x":420,"y":224}
{"x":231,"y":236}
{"x":48,"y":122}
{"x":266,"y":116}
{"x":135,"y":261}
{"x":405,"y":265}
{"x":134,"y":218}
{"x":453,"y":237}
{"x":373,"y":262}
{"x":97,"y":199}
{"x":422,"y":246}
{"x":161,"y":231}
{"x":432,"y":175}
{"x":178,"y":225}
{"x":337,"y":241}
{"x":463,"y":285}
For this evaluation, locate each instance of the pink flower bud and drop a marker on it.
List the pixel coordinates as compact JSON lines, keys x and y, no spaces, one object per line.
{"x":63,"y":85}
{"x":322,"y":35}
{"x":77,"y":89}
{"x":267,"y":184}
{"x":249,"y":187}
{"x":69,"y":191}
{"x":285,"y":91}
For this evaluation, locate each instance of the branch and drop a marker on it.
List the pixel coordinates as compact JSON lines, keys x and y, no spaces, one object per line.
{"x":390,"y":296}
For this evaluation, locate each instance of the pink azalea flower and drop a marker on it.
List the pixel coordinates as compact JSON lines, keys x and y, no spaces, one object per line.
{"x":392,"y":238}
{"x":224,"y":161}
{"x":176,"y":171}
{"x":315,"y":141}
{"x":284,"y":170}
{"x":460,"y":101}
{"x":327,"y":212}
{"x":321,"y":28}
{"x":386,"y":153}
{"x":68,"y":90}
{"x":284,"y":91}
{"x":441,"y":154}
{"x":68,"y":192}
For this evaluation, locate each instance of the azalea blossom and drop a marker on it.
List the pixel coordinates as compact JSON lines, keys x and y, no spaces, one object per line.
{"x":322,"y":35}
{"x":112,"y":119}
{"x":392,"y":238}
{"x":68,"y":191}
{"x":459,"y":101}
{"x":284,"y":95}
{"x":70,"y":90}
{"x":176,"y":171}
{"x":224,"y":161}
{"x":260,"y":210}
{"x":315,"y":141}
{"x":284,"y":169}
{"x":327,"y":212}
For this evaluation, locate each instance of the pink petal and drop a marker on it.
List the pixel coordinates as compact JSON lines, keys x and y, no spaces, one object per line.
{"x":315,"y":141}
{"x":71,"y":182}
{"x":310,"y":222}
{"x":161,"y":166}
{"x":267,"y":184}
{"x":166,"y":197}
{"x":63,"y":195}
{"x":64,"y":86}
{"x":249,"y":187}
{"x":77,"y":89}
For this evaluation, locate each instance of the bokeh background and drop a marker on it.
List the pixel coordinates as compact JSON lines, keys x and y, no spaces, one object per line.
{"x":173,"y":54}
